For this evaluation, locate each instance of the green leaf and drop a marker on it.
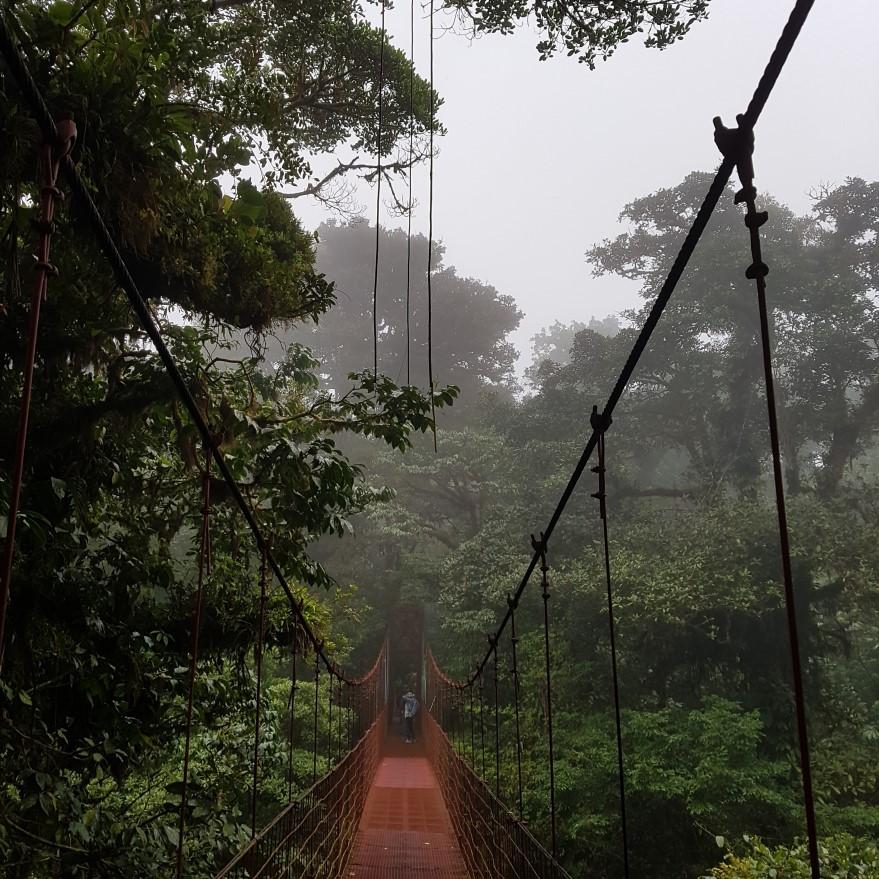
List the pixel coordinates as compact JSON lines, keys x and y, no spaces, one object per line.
{"x":61,"y":12}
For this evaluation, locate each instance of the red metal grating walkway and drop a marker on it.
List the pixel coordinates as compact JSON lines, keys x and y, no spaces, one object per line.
{"x":405,"y":832}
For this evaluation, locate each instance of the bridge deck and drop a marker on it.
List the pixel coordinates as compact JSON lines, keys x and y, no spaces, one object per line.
{"x":405,"y":832}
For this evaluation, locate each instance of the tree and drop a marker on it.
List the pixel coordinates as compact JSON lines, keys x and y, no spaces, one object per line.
{"x":823,"y":273}
{"x":167,"y":99}
{"x":554,"y":343}
{"x":592,"y":31}
{"x":700,"y":625}
{"x":471,"y":320}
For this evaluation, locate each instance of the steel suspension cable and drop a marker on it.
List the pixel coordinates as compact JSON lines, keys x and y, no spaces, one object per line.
{"x":350,"y":693}
{"x":481,"y":727}
{"x":540,"y":548}
{"x":341,"y":721}
{"x":600,"y":425}
{"x":515,"y":674}
{"x":430,"y":240}
{"x":203,"y":568}
{"x":738,"y":144}
{"x":497,"y":730}
{"x":314,"y":729}
{"x":409,"y":213}
{"x":124,"y":278}
{"x":462,"y":720}
{"x":761,"y":94}
{"x":53,"y":151}
{"x":292,"y":719}
{"x":472,"y":732}
{"x":329,"y":720}
{"x":260,"y":636}
{"x":378,"y":194}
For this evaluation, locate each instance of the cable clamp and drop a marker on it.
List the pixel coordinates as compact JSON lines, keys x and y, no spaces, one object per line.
{"x":600,"y":422}
{"x":737,"y":144}
{"x":757,"y":270}
{"x":539,"y":546}
{"x":755,"y":219}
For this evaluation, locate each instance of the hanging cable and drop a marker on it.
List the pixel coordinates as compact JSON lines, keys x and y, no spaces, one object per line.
{"x":497,"y":728}
{"x":203,"y":568}
{"x":737,"y":144}
{"x":539,"y":547}
{"x":329,"y":719}
{"x":260,"y":636}
{"x":600,"y":426}
{"x":430,"y":241}
{"x":515,"y":673}
{"x":348,"y":719}
{"x":53,"y":151}
{"x":472,"y":732}
{"x":409,"y":213}
{"x":314,"y":730}
{"x":378,"y":195}
{"x":481,"y":728}
{"x":19,"y":71}
{"x":462,"y":722}
{"x":292,"y":717}
{"x":341,"y":721}
{"x":767,"y":82}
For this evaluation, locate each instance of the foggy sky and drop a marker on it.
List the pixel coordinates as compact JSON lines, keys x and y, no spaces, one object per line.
{"x":540,"y":157}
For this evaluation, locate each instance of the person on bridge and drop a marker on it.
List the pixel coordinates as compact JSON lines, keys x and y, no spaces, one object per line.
{"x":410,"y":709}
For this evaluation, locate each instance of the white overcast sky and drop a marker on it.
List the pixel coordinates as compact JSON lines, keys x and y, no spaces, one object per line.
{"x":540,"y":157}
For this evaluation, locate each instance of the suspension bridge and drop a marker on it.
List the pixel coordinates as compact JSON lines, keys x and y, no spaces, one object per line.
{"x":435,"y":808}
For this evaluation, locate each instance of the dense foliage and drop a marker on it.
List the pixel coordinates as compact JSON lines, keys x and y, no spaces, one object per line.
{"x":180,"y":107}
{"x":705,"y":670}
{"x":471,"y":320}
{"x":172,"y":103}
{"x":589,"y":30}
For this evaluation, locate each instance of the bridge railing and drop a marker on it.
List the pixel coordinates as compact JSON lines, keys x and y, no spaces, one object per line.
{"x":494,"y":842}
{"x":312,"y":838}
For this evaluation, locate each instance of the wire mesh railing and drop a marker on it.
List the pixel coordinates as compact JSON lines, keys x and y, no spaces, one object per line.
{"x":494,"y":842}
{"x":313,"y":837}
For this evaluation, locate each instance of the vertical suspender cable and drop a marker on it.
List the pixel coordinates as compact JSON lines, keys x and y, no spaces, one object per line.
{"x":540,"y":549}
{"x":472,"y":732}
{"x":349,"y":718}
{"x":430,"y":241}
{"x":51,"y":154}
{"x":515,"y":672}
{"x":330,"y":677}
{"x":481,"y":728}
{"x":203,"y":565}
{"x":462,"y":719}
{"x":738,"y":144}
{"x":314,"y":729}
{"x":341,"y":716}
{"x":378,"y":195}
{"x":411,"y":161}
{"x":497,"y":730}
{"x":600,"y":425}
{"x":260,"y":645}
{"x":292,"y":718}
